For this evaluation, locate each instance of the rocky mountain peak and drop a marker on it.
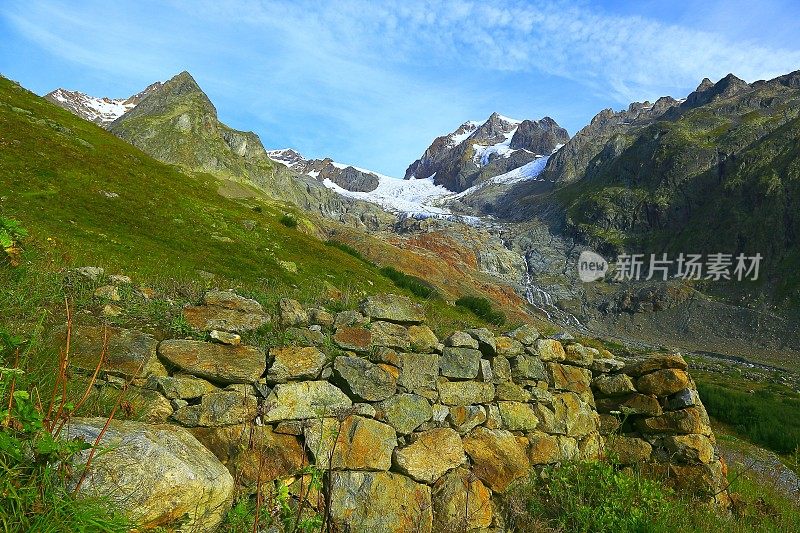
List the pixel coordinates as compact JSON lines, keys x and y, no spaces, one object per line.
{"x":100,"y":110}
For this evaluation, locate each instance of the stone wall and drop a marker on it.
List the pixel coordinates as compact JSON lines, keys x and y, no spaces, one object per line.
{"x":418,"y":434}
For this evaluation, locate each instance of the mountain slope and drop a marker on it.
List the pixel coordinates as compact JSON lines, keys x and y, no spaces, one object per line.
{"x":476,"y":152}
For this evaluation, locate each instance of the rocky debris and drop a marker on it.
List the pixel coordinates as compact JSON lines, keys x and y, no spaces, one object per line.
{"x":461,"y":502}
{"x":223,"y":337}
{"x":216,"y":362}
{"x":304,"y":399}
{"x":292,"y":313}
{"x":498,"y":457}
{"x":357,"y":339}
{"x":179,"y":479}
{"x":356,"y":443}
{"x":405,"y":412}
{"x":295,"y":363}
{"x":393,"y":308}
{"x":431,"y":455}
{"x":221,"y":408}
{"x":128,"y":353}
{"x":379,"y":501}
{"x":460,"y":363}
{"x":180,"y":387}
{"x":364,"y":380}
{"x":250,"y":451}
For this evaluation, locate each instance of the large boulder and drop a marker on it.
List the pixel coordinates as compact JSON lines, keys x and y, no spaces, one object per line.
{"x":304,"y":399}
{"x":253,"y":452}
{"x":356,"y":443}
{"x":365,"y":380}
{"x":157,"y":474}
{"x":366,"y":502}
{"x":690,"y":448}
{"x":486,"y":341}
{"x":526,"y":334}
{"x":226,"y":311}
{"x":432,"y":453}
{"x":575,"y":417}
{"x":628,"y":450}
{"x":498,"y":457}
{"x":550,"y":350}
{"x":357,"y":339}
{"x":128,"y":353}
{"x":231,"y":300}
{"x":461,"y":503}
{"x":569,"y":378}
{"x":663,"y":382}
{"x":222,"y":408}
{"x":294,"y":362}
{"x":393,"y":308}
{"x":219,"y":363}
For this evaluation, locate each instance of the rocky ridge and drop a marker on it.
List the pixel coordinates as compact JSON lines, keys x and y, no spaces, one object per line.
{"x":102,"y":111}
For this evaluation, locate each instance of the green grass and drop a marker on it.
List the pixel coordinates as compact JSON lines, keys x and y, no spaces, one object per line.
{"x":416,"y":286}
{"x":481,"y":307}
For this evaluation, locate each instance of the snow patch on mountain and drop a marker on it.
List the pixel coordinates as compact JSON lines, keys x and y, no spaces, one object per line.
{"x":412,"y":197}
{"x":104,"y":110}
{"x":483,"y":154}
{"x":529,"y":171}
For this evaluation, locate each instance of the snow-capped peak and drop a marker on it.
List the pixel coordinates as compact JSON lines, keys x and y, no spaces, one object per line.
{"x":101,"y":111}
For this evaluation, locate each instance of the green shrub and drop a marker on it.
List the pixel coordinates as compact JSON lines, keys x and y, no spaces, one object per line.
{"x":288,"y":220}
{"x":481,"y":307}
{"x":11,"y":233}
{"x":766,"y":418}
{"x":417,"y":286}
{"x":349,"y":250}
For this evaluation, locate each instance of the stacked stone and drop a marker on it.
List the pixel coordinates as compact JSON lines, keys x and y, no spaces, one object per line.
{"x":418,"y":434}
{"x":651,"y":415}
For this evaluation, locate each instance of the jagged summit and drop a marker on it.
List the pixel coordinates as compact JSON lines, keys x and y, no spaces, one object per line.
{"x":478,"y":151}
{"x":102,"y":111}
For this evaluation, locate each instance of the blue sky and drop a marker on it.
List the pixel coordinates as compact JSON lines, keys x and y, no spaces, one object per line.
{"x":372,"y":83}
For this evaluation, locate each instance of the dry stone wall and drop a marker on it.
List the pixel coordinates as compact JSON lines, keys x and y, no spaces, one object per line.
{"x":418,"y":434}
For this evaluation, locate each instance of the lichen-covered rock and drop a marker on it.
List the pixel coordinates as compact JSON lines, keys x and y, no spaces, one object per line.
{"x":511,"y":392}
{"x":465,"y":392}
{"x":579,"y":355}
{"x":390,"y":335}
{"x":393,"y":308}
{"x":226,"y":311}
{"x":431,"y":454}
{"x":550,"y":350}
{"x":350,"y":319}
{"x":517,"y":416}
{"x":461,"y":502}
{"x":461,"y":363}
{"x":498,"y":457}
{"x":614,"y":385}
{"x":609,"y":424}
{"x":365,"y":380}
{"x":656,"y":362}
{"x":180,"y":479}
{"x":486,"y":341}
{"x":684,"y":398}
{"x":543,"y":448}
{"x":304,"y":399}
{"x":628,"y":450}
{"x":501,"y":369}
{"x":418,"y":372}
{"x":222,"y":408}
{"x":291,"y":313}
{"x":230,"y":300}
{"x":569,"y":378}
{"x":320,"y":317}
{"x":250,"y":451}
{"x":460,"y":339}
{"x":508,"y":347}
{"x":685,"y":421}
{"x":573,"y":414}
{"x":422,"y":339}
{"x":295,"y":362}
{"x":310,"y":336}
{"x":632,"y":404}
{"x":606,"y":365}
{"x":690,"y":448}
{"x":464,"y":418}
{"x":528,"y":367}
{"x":224,"y":337}
{"x":216,"y":362}
{"x":357,"y":443}
{"x":405,"y":412}
{"x":128,"y":354}
{"x":179,"y":387}
{"x":526,"y":334}
{"x":663,"y":382}
{"x":363,"y":502}
{"x":357,"y":339}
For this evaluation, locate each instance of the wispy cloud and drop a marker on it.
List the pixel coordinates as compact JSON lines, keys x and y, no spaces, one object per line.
{"x":373,"y":82}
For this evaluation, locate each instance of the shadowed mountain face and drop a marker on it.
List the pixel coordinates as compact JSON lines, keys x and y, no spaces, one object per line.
{"x":478,"y":151}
